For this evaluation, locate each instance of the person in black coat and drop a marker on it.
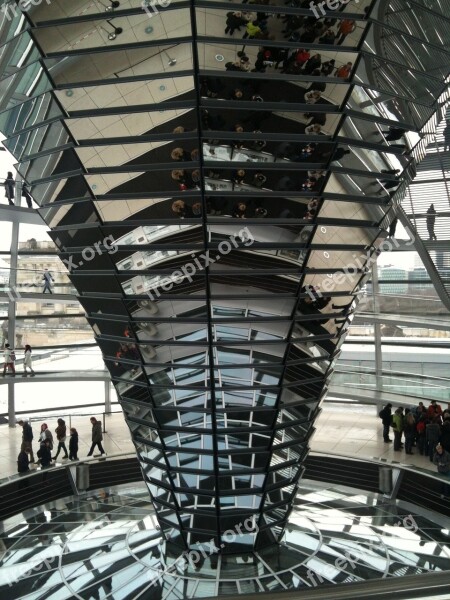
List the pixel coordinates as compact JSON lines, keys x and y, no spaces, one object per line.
{"x":44,"y":454}
{"x":431,"y":220}
{"x":235,"y":20}
{"x":9,"y":188}
{"x":23,"y":464}
{"x":385,"y":416}
{"x":312,"y":64}
{"x":73,"y":444}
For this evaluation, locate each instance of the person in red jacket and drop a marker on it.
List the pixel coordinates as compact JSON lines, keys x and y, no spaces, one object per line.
{"x":344,"y":71}
{"x":347,"y":26}
{"x":434,"y":410}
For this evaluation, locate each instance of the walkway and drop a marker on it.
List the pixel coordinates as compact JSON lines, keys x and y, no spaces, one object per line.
{"x":351,"y":430}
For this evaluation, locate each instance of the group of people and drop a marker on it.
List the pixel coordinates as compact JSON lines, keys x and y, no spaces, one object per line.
{"x":428,"y":429}
{"x":297,"y":28}
{"x":10,"y":191}
{"x":47,"y":443}
{"x":9,"y":357}
{"x":421,"y":427}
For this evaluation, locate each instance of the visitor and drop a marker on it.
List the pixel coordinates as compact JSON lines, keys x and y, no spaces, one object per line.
{"x":26,"y":195}
{"x":73,"y":444}
{"x":61,"y":433}
{"x":9,"y":358}
{"x":432,"y":436}
{"x":344,"y":71}
{"x":97,"y":437}
{"x":23,"y":464}
{"x":409,"y":428}
{"x":346,"y":27}
{"x":10,"y":185}
{"x":46,"y":434}
{"x":397,"y":426}
{"x":385,"y":416}
{"x":44,"y":454}
{"x":47,"y":278}
{"x":431,"y":220}
{"x":434,"y":410}
{"x":27,"y":362}
{"x":27,"y":439}
{"x":441,"y":459}
{"x":393,"y":227}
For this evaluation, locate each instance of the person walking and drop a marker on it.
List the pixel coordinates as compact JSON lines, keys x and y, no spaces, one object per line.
{"x":441,"y":459}
{"x":47,"y":278}
{"x":385,"y":416}
{"x":393,"y":227}
{"x":27,"y":439}
{"x":61,"y":432}
{"x":97,"y":437}
{"x":73,"y":444}
{"x":27,"y":362}
{"x":26,"y":194}
{"x":10,"y":357}
{"x":431,"y":220}
{"x":10,"y":185}
{"x":46,"y":434}
{"x":446,"y":134}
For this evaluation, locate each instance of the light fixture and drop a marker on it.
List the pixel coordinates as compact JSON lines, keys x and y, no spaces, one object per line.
{"x":172,"y":61}
{"x":112,"y":34}
{"x":114,"y":4}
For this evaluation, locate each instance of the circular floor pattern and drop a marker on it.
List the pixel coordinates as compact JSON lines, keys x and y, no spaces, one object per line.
{"x":108,"y":545}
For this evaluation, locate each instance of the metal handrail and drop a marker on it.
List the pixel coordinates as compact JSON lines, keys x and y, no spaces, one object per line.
{"x":376,"y":461}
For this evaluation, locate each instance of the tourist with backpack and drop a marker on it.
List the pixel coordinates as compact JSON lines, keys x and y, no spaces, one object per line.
{"x":385,"y":416}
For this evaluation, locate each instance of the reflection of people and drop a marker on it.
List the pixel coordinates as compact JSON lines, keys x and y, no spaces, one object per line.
{"x":446,"y":133}
{"x":393,"y":227}
{"x":181,"y":209}
{"x":431,"y":220}
{"x":9,"y":188}
{"x":240,"y":210}
{"x":47,"y":278}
